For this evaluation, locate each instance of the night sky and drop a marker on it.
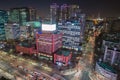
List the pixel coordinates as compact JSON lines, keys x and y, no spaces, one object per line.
{"x":90,"y":7}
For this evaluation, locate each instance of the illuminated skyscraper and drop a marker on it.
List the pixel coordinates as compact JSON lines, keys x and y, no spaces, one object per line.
{"x":73,"y":32}
{"x":2,"y":31}
{"x":64,"y":12}
{"x":54,"y":12}
{"x":74,"y":10}
{"x":67,"y":11}
{"x":20,"y":15}
{"x":3,"y":16}
{"x":3,"y":19}
{"x":32,"y":13}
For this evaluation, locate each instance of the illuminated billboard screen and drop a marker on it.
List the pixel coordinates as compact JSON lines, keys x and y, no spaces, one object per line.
{"x":48,"y":27}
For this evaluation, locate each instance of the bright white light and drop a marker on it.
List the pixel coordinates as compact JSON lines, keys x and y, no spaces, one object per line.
{"x":15,"y":24}
{"x":48,"y":27}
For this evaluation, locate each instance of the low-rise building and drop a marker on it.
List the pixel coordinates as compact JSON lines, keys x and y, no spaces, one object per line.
{"x":62,"y":57}
{"x":26,"y":47}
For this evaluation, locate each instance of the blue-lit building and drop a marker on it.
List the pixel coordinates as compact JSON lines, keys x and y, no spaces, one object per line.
{"x":73,"y":33}
{"x":3,"y":16}
{"x":22,"y":14}
{"x":3,"y":19}
{"x":12,"y":31}
{"x":2,"y":31}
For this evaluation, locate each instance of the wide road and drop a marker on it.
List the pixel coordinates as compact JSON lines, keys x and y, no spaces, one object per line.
{"x":87,"y":59}
{"x":23,"y":66}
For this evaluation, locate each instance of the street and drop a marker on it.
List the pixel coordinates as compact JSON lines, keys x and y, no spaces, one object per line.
{"x":18,"y":66}
{"x":21,"y":66}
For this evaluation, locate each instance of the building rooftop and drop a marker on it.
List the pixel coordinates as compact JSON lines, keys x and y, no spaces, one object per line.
{"x":107,"y":67}
{"x":64,"y":52}
{"x":113,"y":37}
{"x":25,"y":43}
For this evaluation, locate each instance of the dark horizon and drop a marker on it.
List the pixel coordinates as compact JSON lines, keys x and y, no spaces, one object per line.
{"x":105,"y":8}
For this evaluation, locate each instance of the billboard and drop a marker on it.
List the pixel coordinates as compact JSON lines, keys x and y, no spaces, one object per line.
{"x":34,"y":24}
{"x":48,"y":27}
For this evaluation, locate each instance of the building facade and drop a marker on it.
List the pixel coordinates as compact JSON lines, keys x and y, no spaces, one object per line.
{"x":111,"y":49}
{"x":54,"y":13}
{"x":104,"y":72}
{"x":109,"y":64}
{"x":33,"y":14}
{"x":3,"y":16}
{"x":3,"y":20}
{"x":74,"y":10}
{"x":26,"y":47}
{"x":64,"y":12}
{"x":12,"y":31}
{"x":73,"y":33}
{"x":68,"y":11}
{"x":112,"y":56}
{"x":23,"y":14}
{"x":2,"y":31}
{"x":48,"y":42}
{"x":62,"y":57}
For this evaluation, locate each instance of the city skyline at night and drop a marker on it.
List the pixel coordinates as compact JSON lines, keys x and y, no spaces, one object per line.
{"x":59,"y":40}
{"x":106,"y":8}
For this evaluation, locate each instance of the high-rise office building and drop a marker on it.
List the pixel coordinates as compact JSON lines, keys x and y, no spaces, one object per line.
{"x":3,"y":16}
{"x":32,"y":13}
{"x":54,"y":13}
{"x":73,"y":32}
{"x":74,"y":10}
{"x":2,"y":31}
{"x":68,"y":11}
{"x":3,"y":19}
{"x":64,"y":12}
{"x":23,"y":14}
{"x":12,"y":31}
{"x":111,"y":48}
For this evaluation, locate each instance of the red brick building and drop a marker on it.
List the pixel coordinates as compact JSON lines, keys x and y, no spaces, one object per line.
{"x":26,"y":48}
{"x":48,"y":43}
{"x":62,"y":57}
